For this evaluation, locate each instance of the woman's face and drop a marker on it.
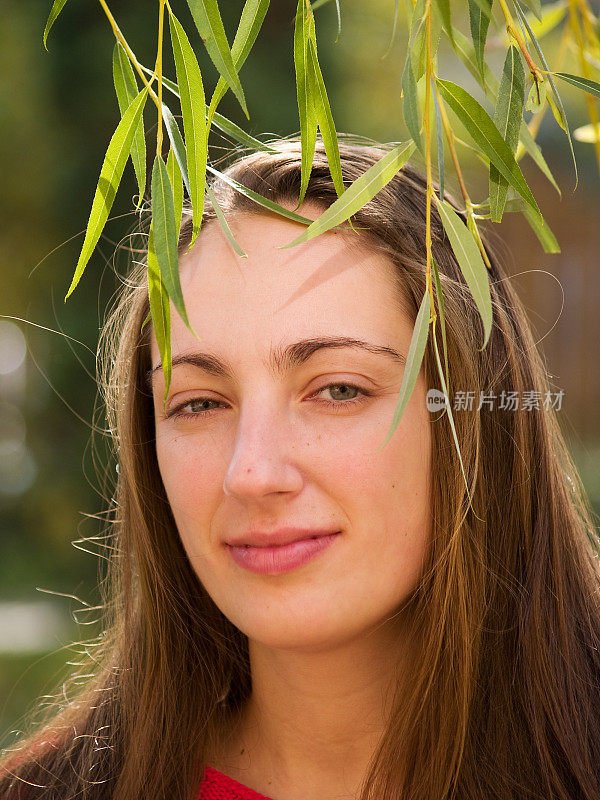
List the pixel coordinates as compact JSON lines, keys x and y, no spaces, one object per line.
{"x":271,"y":425}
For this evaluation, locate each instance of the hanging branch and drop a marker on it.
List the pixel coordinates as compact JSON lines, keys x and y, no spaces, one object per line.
{"x":499,"y":137}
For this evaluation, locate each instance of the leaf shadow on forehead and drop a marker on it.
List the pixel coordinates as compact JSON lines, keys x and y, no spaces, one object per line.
{"x":329,"y":268}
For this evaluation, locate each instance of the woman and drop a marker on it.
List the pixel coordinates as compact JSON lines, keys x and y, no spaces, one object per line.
{"x":294,"y":613}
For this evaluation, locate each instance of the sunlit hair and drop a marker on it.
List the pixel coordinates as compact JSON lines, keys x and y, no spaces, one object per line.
{"x":503,"y":698}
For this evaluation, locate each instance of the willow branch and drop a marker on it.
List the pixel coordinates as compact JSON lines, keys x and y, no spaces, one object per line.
{"x":123,"y":41}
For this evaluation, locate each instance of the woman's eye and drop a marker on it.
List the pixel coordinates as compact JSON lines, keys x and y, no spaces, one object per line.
{"x":342,"y":396}
{"x":198,"y":407}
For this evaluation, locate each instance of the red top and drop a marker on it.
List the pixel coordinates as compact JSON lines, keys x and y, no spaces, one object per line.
{"x":217,"y":786}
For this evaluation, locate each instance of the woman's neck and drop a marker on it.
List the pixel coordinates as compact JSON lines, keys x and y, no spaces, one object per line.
{"x":314,"y":720}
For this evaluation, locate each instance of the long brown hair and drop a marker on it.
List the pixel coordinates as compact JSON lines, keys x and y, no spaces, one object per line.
{"x":503,"y":701}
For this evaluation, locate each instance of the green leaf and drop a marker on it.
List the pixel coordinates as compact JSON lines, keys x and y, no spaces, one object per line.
{"x":258,"y":198}
{"x":126,"y":89}
{"x":210,"y":26}
{"x":177,"y":144}
{"x":444,"y":9}
{"x":359,"y":192}
{"x":237,"y":134}
{"x":57,"y":7}
{"x":249,"y":27}
{"x":304,"y":90}
{"x":451,"y":418}
{"x":479,"y":22}
{"x":193,"y":108}
{"x":176,"y":182}
{"x":466,"y":52}
{"x":440,"y":298}
{"x":531,"y":147}
{"x":339,"y":20}
{"x":542,"y":230}
{"x":585,"y":84}
{"x":417,"y":41}
{"x":485,"y":134}
{"x":160,"y":310}
{"x":222,"y":123}
{"x":166,"y":235}
{"x":325,"y":118}
{"x":439,"y":131}
{"x":111,"y":173}
{"x":394,"y":27}
{"x":484,"y":6}
{"x":525,"y":22}
{"x":470,"y":262}
{"x":535,"y":6}
{"x":552,"y":14}
{"x":410,"y":103}
{"x":223,"y":223}
{"x":414,"y":359}
{"x":507,"y":117}
{"x":536,"y":97}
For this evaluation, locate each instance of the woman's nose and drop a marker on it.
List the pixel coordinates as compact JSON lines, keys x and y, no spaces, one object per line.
{"x":263,"y":458}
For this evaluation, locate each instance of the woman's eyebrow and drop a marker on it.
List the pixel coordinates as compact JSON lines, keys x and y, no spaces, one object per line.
{"x":281,"y":360}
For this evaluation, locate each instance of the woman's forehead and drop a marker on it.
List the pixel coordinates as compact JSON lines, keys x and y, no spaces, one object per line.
{"x":326,"y":286}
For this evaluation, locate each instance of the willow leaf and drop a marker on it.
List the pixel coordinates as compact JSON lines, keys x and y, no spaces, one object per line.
{"x":160,"y":310}
{"x":414,"y":359}
{"x":210,"y":26}
{"x":359,"y":192}
{"x":440,"y":299}
{"x":325,"y":117}
{"x":470,"y":262}
{"x":166,"y":235}
{"x":531,"y":146}
{"x":224,"y":224}
{"x":417,"y":40}
{"x":251,"y":21}
{"x":542,"y":230}
{"x":536,"y":97}
{"x":439,"y":130}
{"x":481,"y":127}
{"x":507,"y":117}
{"x":304,"y":90}
{"x":410,"y":103}
{"x":177,"y":144}
{"x":174,"y":174}
{"x":111,"y":173}
{"x":394,"y":28}
{"x":57,"y":7}
{"x":339,"y":20}
{"x":466,"y":52}
{"x":239,"y":135}
{"x":258,"y":198}
{"x":479,"y":23}
{"x":552,"y":15}
{"x":193,"y":109}
{"x":525,"y":22}
{"x":535,"y":6}
{"x":444,"y":9}
{"x":451,"y":418}
{"x":126,"y":89}
{"x":585,"y":84}
{"x":484,"y":6}
{"x":222,"y":123}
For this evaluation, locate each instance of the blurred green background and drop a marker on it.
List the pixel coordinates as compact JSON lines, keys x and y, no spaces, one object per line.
{"x":57,"y":113}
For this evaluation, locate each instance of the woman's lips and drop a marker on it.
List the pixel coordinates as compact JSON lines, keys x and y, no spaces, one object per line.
{"x":274,"y":560}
